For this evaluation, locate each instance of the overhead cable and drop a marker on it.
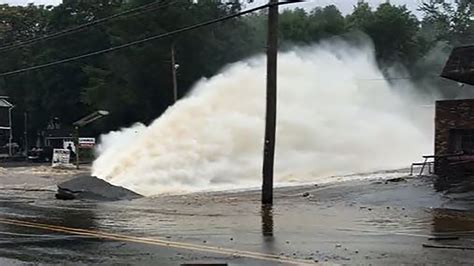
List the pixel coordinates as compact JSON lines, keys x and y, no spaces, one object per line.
{"x":148,"y":39}
{"x":68,"y":31}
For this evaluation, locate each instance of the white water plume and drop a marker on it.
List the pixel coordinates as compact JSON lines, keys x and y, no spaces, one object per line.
{"x":336,"y":115}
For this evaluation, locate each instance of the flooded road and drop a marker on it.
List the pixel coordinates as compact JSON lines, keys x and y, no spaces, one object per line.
{"x":352,"y":222}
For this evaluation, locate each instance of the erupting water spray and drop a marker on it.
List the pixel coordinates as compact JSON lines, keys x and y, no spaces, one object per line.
{"x":333,"y":120}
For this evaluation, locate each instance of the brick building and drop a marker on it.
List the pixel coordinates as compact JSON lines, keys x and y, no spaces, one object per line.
{"x":454,"y":120}
{"x":454,"y":137}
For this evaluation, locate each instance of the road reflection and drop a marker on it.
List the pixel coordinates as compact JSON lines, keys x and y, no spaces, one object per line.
{"x":267,"y":220}
{"x":29,"y":243}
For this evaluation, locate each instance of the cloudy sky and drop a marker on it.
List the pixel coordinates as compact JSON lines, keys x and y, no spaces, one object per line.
{"x":24,"y":2}
{"x":344,"y":5}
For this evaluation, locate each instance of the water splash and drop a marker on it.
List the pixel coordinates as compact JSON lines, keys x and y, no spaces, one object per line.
{"x":333,"y":119}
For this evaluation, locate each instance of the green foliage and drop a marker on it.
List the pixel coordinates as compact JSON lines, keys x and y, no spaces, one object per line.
{"x":298,"y":26}
{"x":135,"y":84}
{"x":452,"y":22}
{"x":21,"y":23}
{"x":393,"y":30}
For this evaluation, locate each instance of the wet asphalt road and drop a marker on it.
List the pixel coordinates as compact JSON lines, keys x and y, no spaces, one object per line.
{"x":359,"y":222}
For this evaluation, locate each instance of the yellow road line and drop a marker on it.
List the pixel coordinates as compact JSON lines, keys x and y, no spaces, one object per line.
{"x":156,"y":242}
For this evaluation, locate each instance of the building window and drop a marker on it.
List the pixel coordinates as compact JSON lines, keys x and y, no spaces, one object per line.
{"x":462,"y":140}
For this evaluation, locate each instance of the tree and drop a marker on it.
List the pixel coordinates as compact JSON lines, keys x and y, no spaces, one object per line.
{"x":297,"y":26}
{"x":134,"y":84}
{"x":451,"y":22}
{"x":326,"y":22}
{"x":294,"y":26}
{"x":393,"y":29}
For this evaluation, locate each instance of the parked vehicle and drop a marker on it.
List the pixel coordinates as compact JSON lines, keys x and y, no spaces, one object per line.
{"x":44,"y":154}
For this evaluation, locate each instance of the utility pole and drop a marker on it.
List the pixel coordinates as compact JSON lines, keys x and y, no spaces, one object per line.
{"x":26,"y":134}
{"x":271,"y":103}
{"x":10,"y":138}
{"x":173,"y":73}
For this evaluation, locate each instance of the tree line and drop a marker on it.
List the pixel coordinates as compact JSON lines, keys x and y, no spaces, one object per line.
{"x":135,"y":84}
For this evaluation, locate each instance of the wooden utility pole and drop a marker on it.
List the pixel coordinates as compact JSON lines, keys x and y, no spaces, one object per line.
{"x":271,"y":104}
{"x":173,"y":73}
{"x":26,"y":134}
{"x":10,"y":138}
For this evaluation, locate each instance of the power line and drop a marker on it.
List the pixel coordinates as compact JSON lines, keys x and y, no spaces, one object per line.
{"x":151,"y":38}
{"x":129,"y":12}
